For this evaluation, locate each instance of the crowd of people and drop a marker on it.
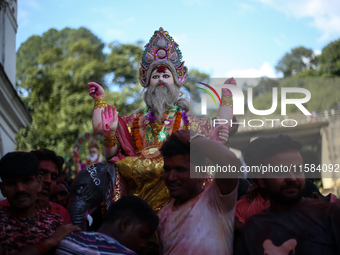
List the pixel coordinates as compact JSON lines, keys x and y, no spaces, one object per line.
{"x":148,"y":199}
{"x":278,"y":214}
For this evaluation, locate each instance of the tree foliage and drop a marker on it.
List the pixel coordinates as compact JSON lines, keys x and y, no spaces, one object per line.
{"x":124,"y":61}
{"x":190,"y":87}
{"x":54,"y":70}
{"x":330,"y":59}
{"x":52,"y":73}
{"x":297,"y":60}
{"x":322,"y":92}
{"x":319,"y":77}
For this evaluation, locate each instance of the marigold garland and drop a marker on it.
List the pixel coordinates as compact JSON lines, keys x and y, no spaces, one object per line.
{"x":138,"y":138}
{"x":177,"y":123}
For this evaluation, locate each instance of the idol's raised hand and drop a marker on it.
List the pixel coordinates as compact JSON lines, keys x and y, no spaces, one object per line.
{"x":226,"y":91}
{"x":109,"y":119}
{"x":95,"y":90}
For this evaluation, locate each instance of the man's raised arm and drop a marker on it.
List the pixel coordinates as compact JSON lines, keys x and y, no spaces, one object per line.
{"x":217,"y":153}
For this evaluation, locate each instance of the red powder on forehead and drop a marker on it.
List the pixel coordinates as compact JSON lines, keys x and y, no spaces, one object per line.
{"x":161,"y":69}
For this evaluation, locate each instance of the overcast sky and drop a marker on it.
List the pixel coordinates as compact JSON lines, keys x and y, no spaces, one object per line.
{"x":223,"y":38}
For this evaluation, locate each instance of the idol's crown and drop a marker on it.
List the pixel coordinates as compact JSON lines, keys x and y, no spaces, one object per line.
{"x":161,"y":46}
{"x":162,"y":50}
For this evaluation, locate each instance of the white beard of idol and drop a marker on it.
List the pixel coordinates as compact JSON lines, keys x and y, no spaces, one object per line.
{"x":160,"y":99}
{"x":93,"y":158}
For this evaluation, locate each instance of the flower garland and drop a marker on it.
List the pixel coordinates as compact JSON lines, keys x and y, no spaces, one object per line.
{"x":138,"y":138}
{"x":177,"y":122}
{"x":153,"y":128}
{"x":185,"y":120}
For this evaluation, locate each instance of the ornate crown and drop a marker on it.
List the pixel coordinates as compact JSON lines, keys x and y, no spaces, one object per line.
{"x":162,"y":50}
{"x":93,"y":144}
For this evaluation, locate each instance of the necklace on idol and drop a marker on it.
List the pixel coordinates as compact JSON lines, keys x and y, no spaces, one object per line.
{"x":155,"y":130}
{"x":155,"y":133}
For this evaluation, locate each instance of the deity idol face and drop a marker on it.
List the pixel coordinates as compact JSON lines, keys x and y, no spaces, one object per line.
{"x":93,"y":151}
{"x":93,"y":154}
{"x":162,"y":92}
{"x":160,"y":75}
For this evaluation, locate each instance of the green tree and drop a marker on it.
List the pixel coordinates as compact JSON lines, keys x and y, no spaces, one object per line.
{"x":195,"y":76}
{"x":124,"y":61}
{"x":330,"y":60}
{"x":301,"y":63}
{"x":297,"y":60}
{"x":53,"y":71}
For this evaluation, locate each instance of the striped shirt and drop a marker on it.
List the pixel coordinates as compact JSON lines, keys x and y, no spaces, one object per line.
{"x":91,"y":243}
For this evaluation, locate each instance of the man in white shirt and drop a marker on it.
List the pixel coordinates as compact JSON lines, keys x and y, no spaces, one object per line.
{"x":198,"y":220}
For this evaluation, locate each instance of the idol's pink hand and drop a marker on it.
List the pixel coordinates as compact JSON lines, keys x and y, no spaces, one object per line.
{"x":226,"y":91}
{"x":230,"y":81}
{"x":220,"y":134}
{"x":110,"y":118}
{"x":95,"y":90}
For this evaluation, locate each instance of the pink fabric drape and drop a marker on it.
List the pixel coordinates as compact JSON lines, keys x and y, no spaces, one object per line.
{"x":125,"y":140}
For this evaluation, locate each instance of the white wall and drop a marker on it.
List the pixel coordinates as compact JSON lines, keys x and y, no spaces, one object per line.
{"x":8,"y":30}
{"x":13,"y":114}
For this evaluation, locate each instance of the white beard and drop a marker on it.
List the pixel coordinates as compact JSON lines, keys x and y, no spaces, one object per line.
{"x":92,"y":159}
{"x":159,"y":99}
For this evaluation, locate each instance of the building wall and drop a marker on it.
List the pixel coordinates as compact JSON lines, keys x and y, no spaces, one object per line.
{"x":8,"y":30}
{"x":13,"y":113}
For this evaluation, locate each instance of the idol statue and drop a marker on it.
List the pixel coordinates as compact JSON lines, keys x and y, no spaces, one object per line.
{"x":94,"y":156}
{"x":132,"y":143}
